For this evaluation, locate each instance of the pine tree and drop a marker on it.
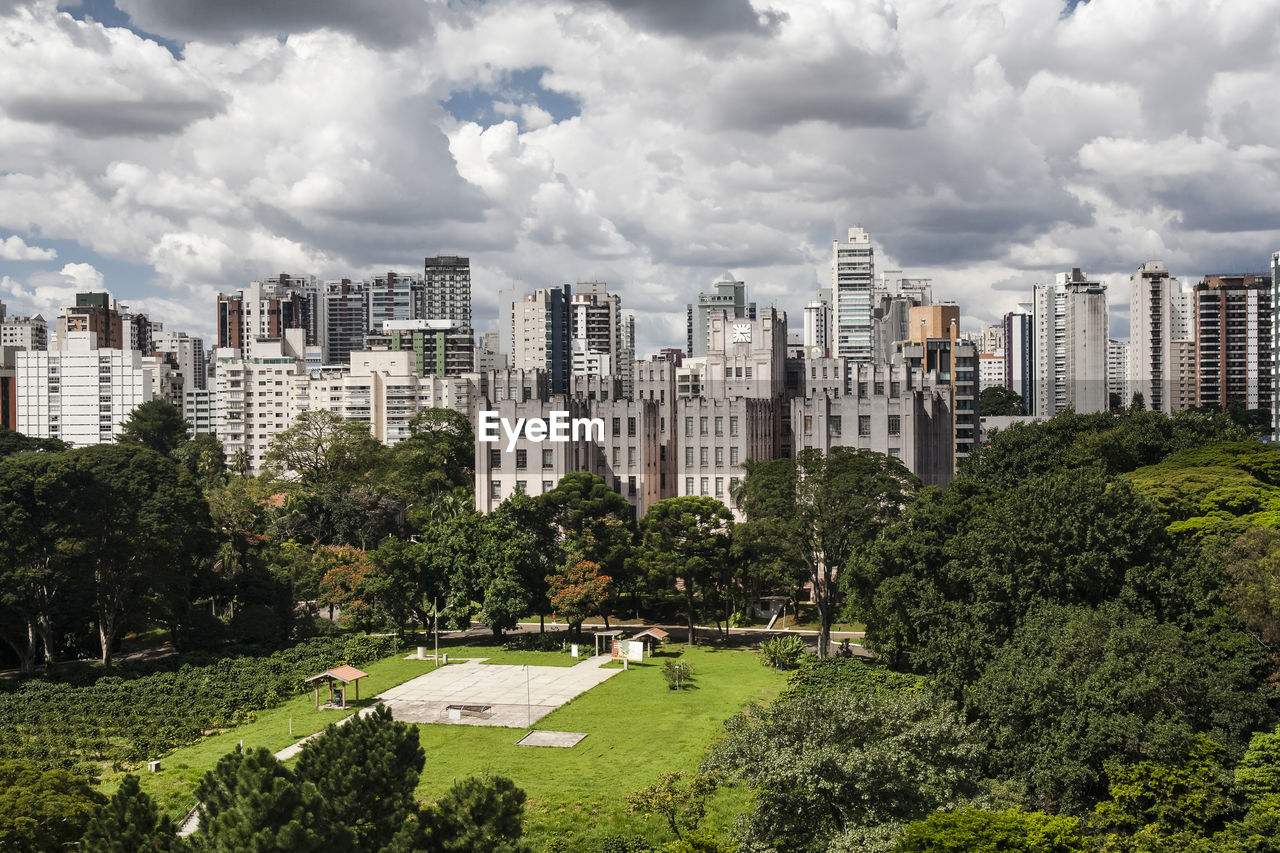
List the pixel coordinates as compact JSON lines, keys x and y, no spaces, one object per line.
{"x":366,"y":771}
{"x":251,"y":802}
{"x":129,"y":823}
{"x":480,"y":814}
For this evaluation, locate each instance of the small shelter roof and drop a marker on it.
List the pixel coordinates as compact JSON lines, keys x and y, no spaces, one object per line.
{"x":608,"y":633}
{"x":345,"y":674}
{"x":656,"y":633}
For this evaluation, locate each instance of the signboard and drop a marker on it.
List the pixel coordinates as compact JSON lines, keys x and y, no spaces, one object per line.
{"x":635,"y":650}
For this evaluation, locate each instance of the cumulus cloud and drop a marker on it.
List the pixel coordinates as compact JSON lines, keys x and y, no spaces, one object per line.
{"x":14,"y":248}
{"x":388,"y":23}
{"x":651,"y":144}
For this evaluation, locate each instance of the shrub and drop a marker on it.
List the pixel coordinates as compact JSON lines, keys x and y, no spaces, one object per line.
{"x":678,"y":673}
{"x":830,"y":675}
{"x":782,"y":652}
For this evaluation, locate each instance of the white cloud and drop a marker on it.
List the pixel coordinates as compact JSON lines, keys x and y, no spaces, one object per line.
{"x":987,"y":144}
{"x":14,"y":248}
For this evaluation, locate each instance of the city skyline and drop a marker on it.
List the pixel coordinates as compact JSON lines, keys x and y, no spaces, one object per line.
{"x":172,"y":151}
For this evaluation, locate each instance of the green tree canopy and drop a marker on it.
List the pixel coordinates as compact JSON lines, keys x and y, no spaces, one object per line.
{"x":480,"y":814}
{"x":826,"y":511}
{"x":594,"y":521}
{"x":250,"y":801}
{"x":686,"y":539}
{"x":1008,"y":831}
{"x":829,"y":769}
{"x":156,"y":425}
{"x":323,"y":448}
{"x":129,"y":823}
{"x":998,"y":401}
{"x":43,"y":811}
{"x":366,"y":772}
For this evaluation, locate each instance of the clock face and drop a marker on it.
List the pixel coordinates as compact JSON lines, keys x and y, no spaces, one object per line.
{"x":741,"y":333}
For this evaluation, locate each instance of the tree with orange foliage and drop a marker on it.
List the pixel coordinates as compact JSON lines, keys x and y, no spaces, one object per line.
{"x":577,"y":591}
{"x":344,"y":577}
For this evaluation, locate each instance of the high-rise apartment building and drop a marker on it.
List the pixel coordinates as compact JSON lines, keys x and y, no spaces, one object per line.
{"x":81,"y":393}
{"x":393,"y":296}
{"x":1069,"y":322}
{"x":1118,"y":385}
{"x":346,"y":317}
{"x":1160,"y":314}
{"x":728,"y":294}
{"x":187,"y":352}
{"x":257,"y":395}
{"x":1235,"y":355}
{"x":1018,"y":354}
{"x":97,"y":314}
{"x":29,"y":333}
{"x":817,"y":329}
{"x":935,"y":348}
{"x":990,"y":370}
{"x":447,"y":289}
{"x":542,"y":334}
{"x":852,"y":286}
{"x":268,"y":308}
{"x":439,"y":347}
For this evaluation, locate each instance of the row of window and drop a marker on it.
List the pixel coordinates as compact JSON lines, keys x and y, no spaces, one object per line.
{"x":835,"y":425}
{"x":704,"y":456}
{"x":704,"y":421}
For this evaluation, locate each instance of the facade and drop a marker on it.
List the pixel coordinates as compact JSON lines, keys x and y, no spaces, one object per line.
{"x":447,"y":289}
{"x":1069,"y":358}
{"x":1235,"y":356}
{"x":257,"y":395}
{"x":542,"y":334}
{"x":29,"y":333}
{"x":439,"y":347}
{"x":1018,"y":353}
{"x":728,"y":294}
{"x":1160,"y":314}
{"x":346,"y":319}
{"x":96,"y":314}
{"x":489,"y":354}
{"x":817,"y":329}
{"x":939,"y":357}
{"x":990,"y":370}
{"x":392,"y":297}
{"x":188,"y":352}
{"x":1118,"y":387}
{"x":852,"y":286}
{"x":81,"y":393}
{"x":268,"y":308}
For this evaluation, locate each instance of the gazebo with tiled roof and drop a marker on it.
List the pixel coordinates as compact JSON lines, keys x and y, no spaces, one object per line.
{"x":344,"y":674}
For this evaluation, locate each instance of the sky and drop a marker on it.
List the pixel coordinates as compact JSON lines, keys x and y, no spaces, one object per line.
{"x":166,"y":150}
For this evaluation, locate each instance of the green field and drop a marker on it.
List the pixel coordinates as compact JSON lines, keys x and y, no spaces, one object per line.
{"x":637,"y":729}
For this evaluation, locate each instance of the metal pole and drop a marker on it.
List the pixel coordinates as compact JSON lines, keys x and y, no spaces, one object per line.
{"x":435,"y":624}
{"x":528,"y":696}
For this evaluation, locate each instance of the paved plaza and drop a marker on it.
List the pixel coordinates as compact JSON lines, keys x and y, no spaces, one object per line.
{"x":477,"y":694}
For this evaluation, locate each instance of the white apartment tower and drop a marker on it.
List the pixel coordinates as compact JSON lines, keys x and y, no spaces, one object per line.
{"x":817,"y":329}
{"x":1118,"y":353}
{"x":1069,"y":323}
{"x":852,"y":283}
{"x":1160,"y":322}
{"x":29,"y":333}
{"x":81,"y":393}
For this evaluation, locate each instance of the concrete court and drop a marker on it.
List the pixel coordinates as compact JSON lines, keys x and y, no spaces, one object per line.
{"x":503,"y":688}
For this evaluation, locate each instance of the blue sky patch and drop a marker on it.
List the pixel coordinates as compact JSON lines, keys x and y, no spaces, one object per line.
{"x":106,"y":13}
{"x":516,"y":87}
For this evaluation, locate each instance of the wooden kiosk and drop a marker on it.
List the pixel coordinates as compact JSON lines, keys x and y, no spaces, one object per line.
{"x":343,"y":675}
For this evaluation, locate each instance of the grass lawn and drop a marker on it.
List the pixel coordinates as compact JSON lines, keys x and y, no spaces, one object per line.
{"x":173,"y":787}
{"x":636,"y":728}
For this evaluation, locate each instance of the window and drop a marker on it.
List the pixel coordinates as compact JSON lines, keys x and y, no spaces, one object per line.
{"x":834,"y":425}
{"x":719,"y":457}
{"x":733,"y":456}
{"x":617,"y":426}
{"x":631,"y":457}
{"x":522,"y":459}
{"x":702,"y":426}
{"x":808,"y":424}
{"x":688,"y":485}
{"x":879,"y":389}
{"x":631,"y":486}
{"x":522,"y":486}
{"x":748,"y":372}
{"x":894,"y":388}
{"x":733,"y":425}
{"x":719,"y":426}
{"x":546,"y":486}
{"x":862,"y":389}
{"x":495,"y":489}
{"x":617,"y":456}
{"x":702,"y":456}
{"x":662,"y":454}
{"x":688,"y":426}
{"x":864,"y":424}
{"x":733,"y":486}
{"x":495,"y":458}
{"x":895,"y":424}
{"x":895,"y":452}
{"x":720,"y":487}
{"x":688,"y":457}
{"x":548,"y":458}
{"x":631,"y":427}
{"x":704,"y":483}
